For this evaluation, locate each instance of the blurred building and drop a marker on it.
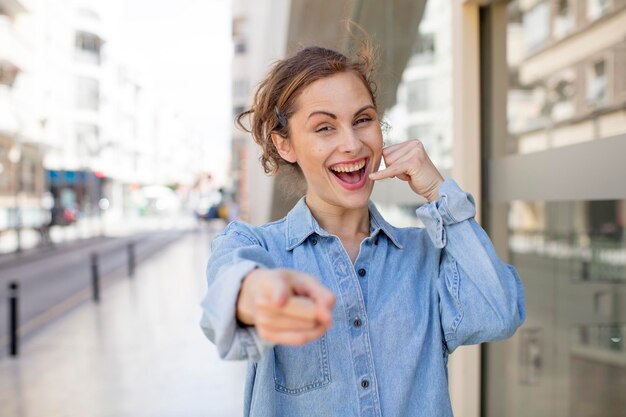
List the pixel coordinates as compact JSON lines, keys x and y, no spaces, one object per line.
{"x":21,"y":171}
{"x":259,"y":37}
{"x":76,"y":123}
{"x":424,"y":105}
{"x":523,"y":103}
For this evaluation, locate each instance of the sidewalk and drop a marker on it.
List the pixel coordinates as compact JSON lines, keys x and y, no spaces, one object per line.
{"x":140,"y":352}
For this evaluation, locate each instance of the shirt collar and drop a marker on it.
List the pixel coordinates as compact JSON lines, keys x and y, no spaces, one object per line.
{"x":301,"y":224}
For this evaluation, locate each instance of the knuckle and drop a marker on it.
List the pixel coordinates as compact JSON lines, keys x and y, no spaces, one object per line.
{"x":301,"y":339}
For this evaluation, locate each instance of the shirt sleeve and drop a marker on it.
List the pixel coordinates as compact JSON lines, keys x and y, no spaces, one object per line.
{"x":234,"y":253}
{"x":481,"y":298}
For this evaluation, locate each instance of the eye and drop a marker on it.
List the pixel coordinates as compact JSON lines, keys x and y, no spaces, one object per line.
{"x":323,"y":129}
{"x":363,"y":119}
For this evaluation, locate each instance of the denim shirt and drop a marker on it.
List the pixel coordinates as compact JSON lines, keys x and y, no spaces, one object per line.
{"x":411,"y":298}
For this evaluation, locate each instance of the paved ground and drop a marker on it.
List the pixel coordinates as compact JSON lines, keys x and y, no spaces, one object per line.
{"x":55,"y":281}
{"x":140,"y":352}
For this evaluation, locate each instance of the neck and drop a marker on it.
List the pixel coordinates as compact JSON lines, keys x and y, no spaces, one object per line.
{"x":346,"y":223}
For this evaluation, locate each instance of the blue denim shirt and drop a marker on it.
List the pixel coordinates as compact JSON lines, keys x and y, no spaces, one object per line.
{"x":412,"y":297}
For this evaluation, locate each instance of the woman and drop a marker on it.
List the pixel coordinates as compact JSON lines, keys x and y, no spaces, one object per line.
{"x":338,"y":312}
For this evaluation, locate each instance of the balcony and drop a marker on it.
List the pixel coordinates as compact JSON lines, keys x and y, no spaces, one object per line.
{"x":13,"y":51}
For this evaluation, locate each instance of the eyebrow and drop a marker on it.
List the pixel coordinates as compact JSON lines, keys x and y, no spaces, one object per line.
{"x":362,"y":109}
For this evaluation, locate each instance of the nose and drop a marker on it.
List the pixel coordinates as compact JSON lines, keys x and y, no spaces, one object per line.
{"x":350,"y":142}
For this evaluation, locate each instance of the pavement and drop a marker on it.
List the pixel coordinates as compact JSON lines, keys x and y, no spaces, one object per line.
{"x":139,"y":352}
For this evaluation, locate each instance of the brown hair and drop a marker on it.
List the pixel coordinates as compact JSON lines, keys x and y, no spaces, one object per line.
{"x":274,"y":101}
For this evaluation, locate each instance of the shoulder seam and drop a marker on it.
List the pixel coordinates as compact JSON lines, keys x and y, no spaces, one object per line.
{"x":249,"y":238}
{"x":275,"y":222}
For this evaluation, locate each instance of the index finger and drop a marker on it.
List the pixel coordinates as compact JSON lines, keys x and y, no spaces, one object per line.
{"x":308,"y":285}
{"x":388,"y":172}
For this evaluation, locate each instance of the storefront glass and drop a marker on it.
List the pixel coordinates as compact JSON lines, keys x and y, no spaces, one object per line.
{"x":569,"y":358}
{"x":566,"y":61}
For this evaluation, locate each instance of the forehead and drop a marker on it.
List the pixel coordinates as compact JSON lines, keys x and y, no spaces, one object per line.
{"x":344,"y":91}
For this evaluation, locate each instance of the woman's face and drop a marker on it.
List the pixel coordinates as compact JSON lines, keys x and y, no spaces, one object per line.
{"x":335,"y":138}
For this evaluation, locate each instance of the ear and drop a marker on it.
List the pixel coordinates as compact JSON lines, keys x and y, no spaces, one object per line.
{"x":284,"y":148}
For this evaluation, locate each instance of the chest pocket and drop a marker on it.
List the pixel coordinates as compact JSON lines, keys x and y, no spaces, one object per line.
{"x":299,"y":369}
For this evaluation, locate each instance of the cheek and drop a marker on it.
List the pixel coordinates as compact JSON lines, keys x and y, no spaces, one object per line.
{"x":312,"y":158}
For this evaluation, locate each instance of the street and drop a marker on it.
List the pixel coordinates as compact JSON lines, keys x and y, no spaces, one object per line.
{"x":139,"y":352}
{"x":57,"y":279}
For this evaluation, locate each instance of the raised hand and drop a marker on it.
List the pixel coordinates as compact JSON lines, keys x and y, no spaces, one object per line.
{"x":409,"y":162}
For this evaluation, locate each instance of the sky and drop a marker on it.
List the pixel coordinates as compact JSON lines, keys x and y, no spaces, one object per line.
{"x":182,"y":50}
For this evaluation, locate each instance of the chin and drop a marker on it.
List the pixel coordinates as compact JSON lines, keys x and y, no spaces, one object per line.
{"x":356,"y":200}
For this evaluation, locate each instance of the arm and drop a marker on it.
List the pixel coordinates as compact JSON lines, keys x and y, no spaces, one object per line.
{"x":481,"y":297}
{"x":251,"y":305}
{"x":234,"y":255}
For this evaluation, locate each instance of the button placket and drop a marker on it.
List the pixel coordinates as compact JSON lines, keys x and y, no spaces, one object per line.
{"x":354,"y":289}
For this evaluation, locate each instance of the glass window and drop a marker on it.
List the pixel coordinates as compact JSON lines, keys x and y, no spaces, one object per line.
{"x":28,"y":178}
{"x":6,"y":168}
{"x":567,"y":86}
{"x":240,"y":47}
{"x":424,"y":47}
{"x":237,"y":110}
{"x":418,"y":95}
{"x":597,"y":84}
{"x":88,"y":47}
{"x":597,"y":8}
{"x":241,"y":88}
{"x":569,"y":357}
{"x":87,"y":139}
{"x":87,"y":93}
{"x":564,"y":19}
{"x":536,"y":23}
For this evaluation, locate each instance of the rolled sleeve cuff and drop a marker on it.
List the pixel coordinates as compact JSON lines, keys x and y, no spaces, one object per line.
{"x":453,"y":206}
{"x":219,"y":323}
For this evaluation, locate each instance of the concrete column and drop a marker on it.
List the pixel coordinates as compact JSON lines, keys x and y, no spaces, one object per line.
{"x":464,"y":366}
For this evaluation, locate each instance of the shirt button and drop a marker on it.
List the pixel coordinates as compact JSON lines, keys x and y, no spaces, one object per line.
{"x":357,"y":322}
{"x":365,"y":383}
{"x":361,"y":272}
{"x":314,"y":241}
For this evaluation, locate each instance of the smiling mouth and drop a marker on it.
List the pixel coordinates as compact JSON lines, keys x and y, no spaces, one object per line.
{"x":350,"y":173}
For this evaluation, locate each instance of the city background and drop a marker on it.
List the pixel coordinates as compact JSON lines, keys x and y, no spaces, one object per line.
{"x":119,"y":160}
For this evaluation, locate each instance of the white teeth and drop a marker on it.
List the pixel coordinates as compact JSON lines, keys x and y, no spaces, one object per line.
{"x":349,"y":167}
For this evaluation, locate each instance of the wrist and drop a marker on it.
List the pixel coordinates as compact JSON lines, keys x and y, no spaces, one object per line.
{"x":244,"y":314}
{"x":434,"y":195}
